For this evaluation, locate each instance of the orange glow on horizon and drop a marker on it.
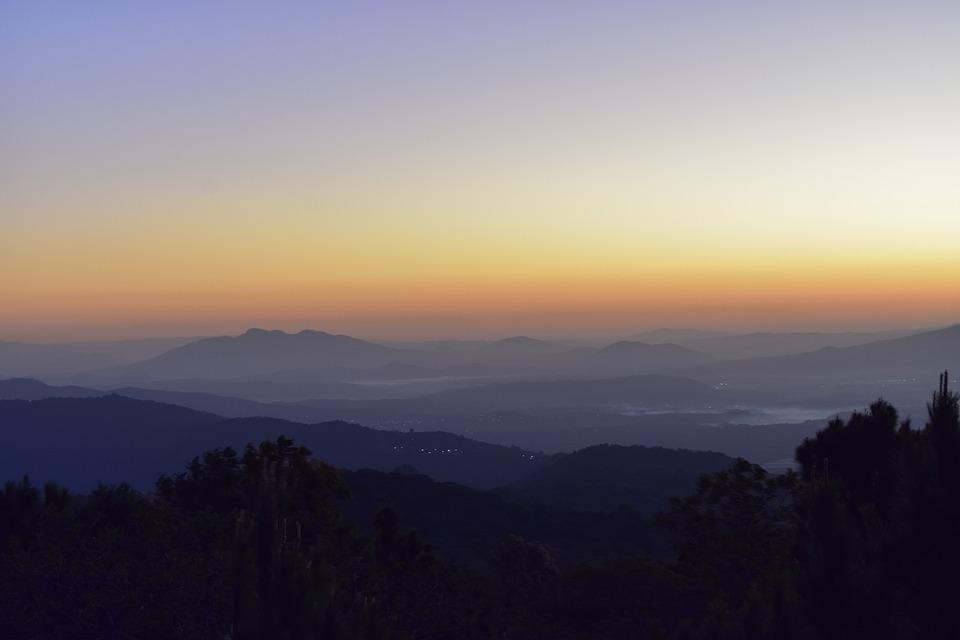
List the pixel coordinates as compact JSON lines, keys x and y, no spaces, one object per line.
{"x":646,"y":166}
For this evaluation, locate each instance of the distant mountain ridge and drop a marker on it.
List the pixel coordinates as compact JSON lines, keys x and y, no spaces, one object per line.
{"x":59,"y":359}
{"x":768,"y":344}
{"x":274,"y":365}
{"x":736,"y":346}
{"x":263,"y":351}
{"x":507,"y":413}
{"x":916,"y":355}
{"x":657,"y":392}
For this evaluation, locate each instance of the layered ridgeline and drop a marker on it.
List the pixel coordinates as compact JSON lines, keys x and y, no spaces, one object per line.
{"x":249,"y":363}
{"x":265,"y":543}
{"x":728,"y":346}
{"x":906,"y":357}
{"x":263,"y":356}
{"x":33,"y":359}
{"x":647,"y":392}
{"x":557,"y":415}
{"x":81,"y":442}
{"x":264,"y":352}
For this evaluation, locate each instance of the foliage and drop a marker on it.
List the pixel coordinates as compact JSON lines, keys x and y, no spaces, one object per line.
{"x":862,"y":542}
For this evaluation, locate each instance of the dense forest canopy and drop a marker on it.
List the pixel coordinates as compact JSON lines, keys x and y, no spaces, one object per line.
{"x":860,"y":542}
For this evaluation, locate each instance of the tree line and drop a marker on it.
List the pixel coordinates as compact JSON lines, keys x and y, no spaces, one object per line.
{"x":862,"y":541}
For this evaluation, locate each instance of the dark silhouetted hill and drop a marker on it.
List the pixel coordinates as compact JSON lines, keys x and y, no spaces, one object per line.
{"x":466,"y":525}
{"x":32,"y":389}
{"x":79,"y":442}
{"x":614,"y":411}
{"x":606,"y":477}
{"x":226,"y":406}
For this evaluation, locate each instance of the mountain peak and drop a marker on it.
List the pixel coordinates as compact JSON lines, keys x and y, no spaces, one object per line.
{"x":254,"y":332}
{"x":262,"y":351}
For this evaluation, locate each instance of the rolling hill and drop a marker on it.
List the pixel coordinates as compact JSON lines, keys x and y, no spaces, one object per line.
{"x":275,"y":365}
{"x":653,"y":392}
{"x":79,"y":442}
{"x":32,"y":389}
{"x":466,"y":525}
{"x":605,"y":477}
{"x":259,"y":351}
{"x":621,"y":411}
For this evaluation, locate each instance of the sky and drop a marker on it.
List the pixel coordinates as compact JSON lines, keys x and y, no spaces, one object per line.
{"x":477,"y":169}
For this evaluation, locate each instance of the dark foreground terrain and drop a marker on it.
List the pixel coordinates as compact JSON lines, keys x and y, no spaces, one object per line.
{"x":266,"y":541}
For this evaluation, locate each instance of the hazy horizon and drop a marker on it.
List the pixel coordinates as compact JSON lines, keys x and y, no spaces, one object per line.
{"x":136,"y":333}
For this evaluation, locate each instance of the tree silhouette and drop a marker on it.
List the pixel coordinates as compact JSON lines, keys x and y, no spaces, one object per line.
{"x":862,"y":542}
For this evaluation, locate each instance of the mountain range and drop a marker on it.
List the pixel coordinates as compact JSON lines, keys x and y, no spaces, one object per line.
{"x":734,"y":346}
{"x":33,"y":359}
{"x":82,"y":442}
{"x":575,"y":414}
{"x":348,"y":376}
{"x":918,"y":355}
{"x":655,"y":392}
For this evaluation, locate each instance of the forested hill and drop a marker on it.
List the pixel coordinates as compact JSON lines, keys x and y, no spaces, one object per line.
{"x":604,"y":478}
{"x":463,"y":524}
{"x":266,"y":542}
{"x":80,"y":442}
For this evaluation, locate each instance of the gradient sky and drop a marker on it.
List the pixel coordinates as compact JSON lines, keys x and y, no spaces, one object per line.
{"x":410,"y":169}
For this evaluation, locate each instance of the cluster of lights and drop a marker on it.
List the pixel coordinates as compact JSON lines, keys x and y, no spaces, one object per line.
{"x":454,"y":451}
